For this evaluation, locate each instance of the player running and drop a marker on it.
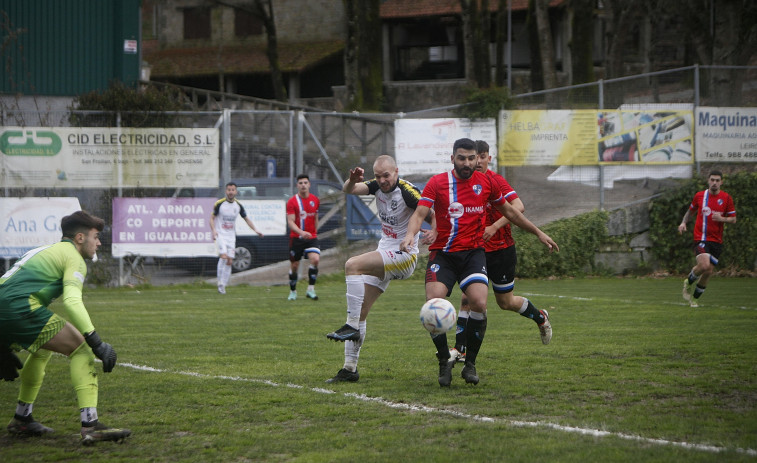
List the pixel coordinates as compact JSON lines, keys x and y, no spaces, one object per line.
{"x":459,"y":199}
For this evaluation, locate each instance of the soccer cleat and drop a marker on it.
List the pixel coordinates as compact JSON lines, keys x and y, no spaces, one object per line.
{"x":311,"y":295}
{"x":292,"y":296}
{"x":345,"y":333}
{"x":28,"y":428}
{"x":469,"y":373}
{"x":693,"y":303}
{"x":445,"y":370}
{"x":545,"y":329}
{"x":345,"y":375}
{"x":687,"y":290}
{"x":457,"y":355}
{"x":221,"y":289}
{"x":102,"y":433}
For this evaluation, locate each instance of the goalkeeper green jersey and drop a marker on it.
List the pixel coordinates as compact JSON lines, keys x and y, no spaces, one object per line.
{"x":38,"y":278}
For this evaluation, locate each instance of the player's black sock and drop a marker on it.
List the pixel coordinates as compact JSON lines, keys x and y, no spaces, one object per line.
{"x":460,"y":334}
{"x":692,"y":278}
{"x":534,"y":314}
{"x":292,"y":280}
{"x":698,"y":291}
{"x":440,"y":341}
{"x":312,"y":275}
{"x":475,"y":336}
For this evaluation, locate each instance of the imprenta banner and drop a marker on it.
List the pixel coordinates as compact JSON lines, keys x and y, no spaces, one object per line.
{"x":424,"y":146}
{"x":27,"y":223}
{"x":108,"y":157}
{"x":726,"y":134}
{"x":592,"y":137}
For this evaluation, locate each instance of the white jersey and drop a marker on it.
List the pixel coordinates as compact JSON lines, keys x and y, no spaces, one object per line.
{"x":225,"y":215}
{"x":394,"y":210}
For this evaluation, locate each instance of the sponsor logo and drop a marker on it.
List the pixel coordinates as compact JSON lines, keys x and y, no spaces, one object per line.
{"x":30,"y":143}
{"x":706,"y":211}
{"x":456,"y":210}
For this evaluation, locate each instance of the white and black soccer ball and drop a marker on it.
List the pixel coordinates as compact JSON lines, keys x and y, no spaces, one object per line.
{"x":438,"y":315}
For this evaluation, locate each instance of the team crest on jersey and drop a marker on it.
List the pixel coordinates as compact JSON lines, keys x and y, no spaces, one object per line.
{"x":312,"y":203}
{"x":720,"y":201}
{"x":434,"y":268}
{"x":456,"y":210}
{"x":477,"y":189}
{"x":394,"y":204}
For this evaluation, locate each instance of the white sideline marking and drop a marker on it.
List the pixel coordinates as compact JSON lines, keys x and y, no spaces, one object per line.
{"x":442,"y":411}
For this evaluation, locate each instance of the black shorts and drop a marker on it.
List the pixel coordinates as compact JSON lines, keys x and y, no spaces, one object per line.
{"x":501,"y":267}
{"x":709,"y":247}
{"x":462,"y":267}
{"x":299,"y":247}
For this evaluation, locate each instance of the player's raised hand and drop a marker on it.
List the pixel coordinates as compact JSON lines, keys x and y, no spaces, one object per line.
{"x":357,"y":175}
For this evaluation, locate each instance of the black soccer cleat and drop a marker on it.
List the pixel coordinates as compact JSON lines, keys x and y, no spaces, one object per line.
{"x":445,"y":370}
{"x":102,"y":433}
{"x":345,"y":333}
{"x":345,"y":375}
{"x":27,"y":428}
{"x":469,"y":373}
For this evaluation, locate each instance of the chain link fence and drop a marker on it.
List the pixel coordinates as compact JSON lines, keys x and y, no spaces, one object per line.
{"x":264,"y":145}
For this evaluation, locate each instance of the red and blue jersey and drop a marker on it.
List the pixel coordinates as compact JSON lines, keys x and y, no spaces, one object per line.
{"x":460,"y":208}
{"x":705,"y":203}
{"x":305,"y":211}
{"x":503,"y":238}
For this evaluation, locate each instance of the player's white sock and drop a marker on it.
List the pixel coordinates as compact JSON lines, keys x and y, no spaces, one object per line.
{"x":355,"y":296}
{"x":352,"y":349}
{"x":220,"y":271}
{"x":226,"y":274}
{"x":524,"y":306}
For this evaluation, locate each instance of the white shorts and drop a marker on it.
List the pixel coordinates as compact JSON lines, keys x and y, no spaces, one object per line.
{"x":398,"y":265}
{"x":226,"y":245}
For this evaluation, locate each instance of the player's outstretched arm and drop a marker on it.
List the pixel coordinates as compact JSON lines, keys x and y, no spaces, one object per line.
{"x":517,"y":218}
{"x":413,"y":227}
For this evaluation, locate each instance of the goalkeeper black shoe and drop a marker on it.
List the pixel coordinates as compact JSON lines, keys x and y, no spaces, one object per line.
{"x":345,"y":333}
{"x":345,"y":375}
{"x":445,"y":370}
{"x":469,"y":373}
{"x":25,"y":428}
{"x":102,"y":433}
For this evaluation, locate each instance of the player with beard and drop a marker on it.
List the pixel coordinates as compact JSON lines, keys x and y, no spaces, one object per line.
{"x":500,"y":261}
{"x":459,"y":199}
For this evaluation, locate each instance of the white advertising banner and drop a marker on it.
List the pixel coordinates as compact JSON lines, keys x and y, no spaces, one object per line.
{"x":268,"y":215}
{"x":108,"y":157}
{"x":424,"y":146}
{"x":28,"y":223}
{"x":726,"y":134}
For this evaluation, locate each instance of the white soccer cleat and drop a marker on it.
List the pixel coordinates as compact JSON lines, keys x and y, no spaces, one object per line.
{"x":545,"y":329}
{"x":221,"y":289}
{"x":687,"y":289}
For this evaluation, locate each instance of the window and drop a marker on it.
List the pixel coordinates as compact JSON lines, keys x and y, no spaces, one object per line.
{"x":246,"y":24}
{"x":196,"y":23}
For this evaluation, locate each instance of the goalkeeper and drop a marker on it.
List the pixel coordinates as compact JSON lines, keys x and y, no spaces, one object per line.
{"x":26,"y":322}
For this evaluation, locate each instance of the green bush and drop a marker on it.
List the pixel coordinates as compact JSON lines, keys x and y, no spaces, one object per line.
{"x":674,"y":251}
{"x":578,"y":238}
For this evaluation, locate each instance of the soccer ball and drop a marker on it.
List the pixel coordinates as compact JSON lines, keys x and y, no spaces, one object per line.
{"x":438,"y":315}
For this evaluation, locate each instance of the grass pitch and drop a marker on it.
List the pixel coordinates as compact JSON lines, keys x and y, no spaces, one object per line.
{"x":632,"y":374}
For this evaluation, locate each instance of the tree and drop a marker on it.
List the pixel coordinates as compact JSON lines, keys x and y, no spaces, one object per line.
{"x":263,"y":10}
{"x":363,"y":66}
{"x":476,"y":39}
{"x":581,"y":41}
{"x":545,"y":43}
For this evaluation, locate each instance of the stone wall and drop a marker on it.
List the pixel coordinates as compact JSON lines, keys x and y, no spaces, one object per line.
{"x":634,"y":251}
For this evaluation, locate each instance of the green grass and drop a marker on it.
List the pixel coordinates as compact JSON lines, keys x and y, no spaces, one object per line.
{"x":241,"y":378}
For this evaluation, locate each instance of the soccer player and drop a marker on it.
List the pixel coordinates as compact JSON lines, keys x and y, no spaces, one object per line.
{"x":222,"y":220}
{"x":39,"y":277}
{"x":368,"y":275}
{"x":302,"y":218}
{"x":500,"y":261}
{"x":713,"y":208}
{"x":459,"y":199}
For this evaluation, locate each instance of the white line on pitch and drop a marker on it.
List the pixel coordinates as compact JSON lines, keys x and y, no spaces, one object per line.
{"x":442,"y":411}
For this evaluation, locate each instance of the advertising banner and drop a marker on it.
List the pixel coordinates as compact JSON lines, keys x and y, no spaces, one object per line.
{"x":28,"y":223}
{"x":108,"y":157}
{"x":726,"y":134}
{"x":590,"y":137}
{"x":424,"y":146}
{"x":180,"y":227}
